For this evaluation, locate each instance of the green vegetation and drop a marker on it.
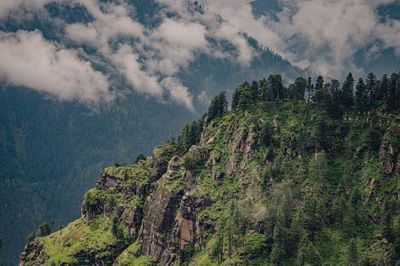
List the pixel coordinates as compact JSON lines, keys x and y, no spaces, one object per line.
{"x":288,"y":180}
{"x":44,"y":229}
{"x":218,"y":107}
{"x":70,"y":244}
{"x":140,"y":157}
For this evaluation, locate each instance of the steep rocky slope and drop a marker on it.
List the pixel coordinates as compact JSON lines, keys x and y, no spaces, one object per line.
{"x":275,"y":183}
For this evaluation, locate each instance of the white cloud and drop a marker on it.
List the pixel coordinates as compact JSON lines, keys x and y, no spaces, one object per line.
{"x":29,"y":60}
{"x":228,"y":32}
{"x":204,"y":98}
{"x":7,"y":6}
{"x":169,"y":48}
{"x":84,"y":34}
{"x":329,"y":32}
{"x":174,"y":44}
{"x":239,"y":18}
{"x":178,"y":92}
{"x":184,"y":34}
{"x":110,"y":22}
{"x":149,"y":59}
{"x":127,"y":62}
{"x":322,"y":35}
{"x":229,"y":29}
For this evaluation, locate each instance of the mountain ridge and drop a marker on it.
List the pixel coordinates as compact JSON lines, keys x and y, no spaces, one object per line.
{"x":270,"y":182}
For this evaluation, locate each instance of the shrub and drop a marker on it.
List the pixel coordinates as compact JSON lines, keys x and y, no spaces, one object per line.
{"x":44,"y":229}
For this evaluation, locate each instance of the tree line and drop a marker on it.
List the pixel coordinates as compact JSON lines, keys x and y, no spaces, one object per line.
{"x":329,"y":96}
{"x":332,"y":96}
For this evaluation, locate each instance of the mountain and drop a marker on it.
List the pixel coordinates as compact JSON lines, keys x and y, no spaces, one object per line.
{"x":275,"y":180}
{"x":45,"y":142}
{"x":52,"y":148}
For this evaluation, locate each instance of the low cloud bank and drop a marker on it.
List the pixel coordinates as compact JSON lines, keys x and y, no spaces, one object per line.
{"x":322,"y":36}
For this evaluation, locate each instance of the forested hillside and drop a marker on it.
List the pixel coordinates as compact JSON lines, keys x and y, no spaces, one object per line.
{"x":302,"y":175}
{"x":52,"y":151}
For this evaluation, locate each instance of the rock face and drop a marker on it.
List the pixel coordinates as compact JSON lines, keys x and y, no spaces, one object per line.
{"x":159,"y":214}
{"x":32,"y":253}
{"x":187,"y":227}
{"x":387,"y":156}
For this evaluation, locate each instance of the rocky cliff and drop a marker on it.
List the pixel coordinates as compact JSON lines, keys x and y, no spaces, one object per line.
{"x":269,"y":184}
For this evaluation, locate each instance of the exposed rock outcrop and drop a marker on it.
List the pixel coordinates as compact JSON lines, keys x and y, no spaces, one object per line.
{"x":33,"y":253}
{"x":187,"y":227}
{"x":159,"y":214}
{"x":387,"y":156}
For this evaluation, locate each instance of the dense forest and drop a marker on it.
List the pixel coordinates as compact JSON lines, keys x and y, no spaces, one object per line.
{"x":330,"y":98}
{"x":299,"y":175}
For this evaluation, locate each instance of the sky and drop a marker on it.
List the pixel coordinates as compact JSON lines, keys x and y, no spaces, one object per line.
{"x":81,"y":64}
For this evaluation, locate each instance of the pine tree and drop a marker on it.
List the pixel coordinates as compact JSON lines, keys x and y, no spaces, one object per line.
{"x":313,"y":214}
{"x":321,"y":134}
{"x":392,"y":95}
{"x":218,"y":106}
{"x":242,"y":96}
{"x":276,"y":89}
{"x":236,"y":221}
{"x":351,"y":254}
{"x":217,"y":249}
{"x":278,"y":248}
{"x":269,"y":226}
{"x":264,"y":90}
{"x":397,"y":91}
{"x":334,"y":91}
{"x":334,"y":100}
{"x":354,"y":207}
{"x":297,"y":90}
{"x":266,"y":134}
{"x":382,"y":92}
{"x":339,"y":205}
{"x":361,"y":97}
{"x":347,"y":91}
{"x":116,"y":229}
{"x":185,"y":136}
{"x":231,"y":226}
{"x":126,"y":175}
{"x":310,"y":90}
{"x":44,"y":229}
{"x":307,"y":254}
{"x":320,"y":96}
{"x":140,"y":157}
{"x":371,"y":85}
{"x":318,"y":168}
{"x":395,"y":247}
{"x":254,"y":91}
